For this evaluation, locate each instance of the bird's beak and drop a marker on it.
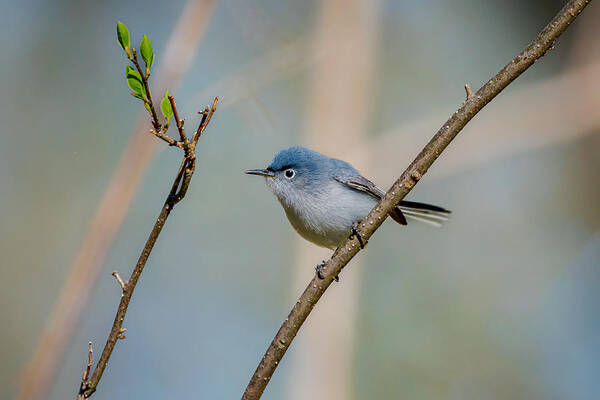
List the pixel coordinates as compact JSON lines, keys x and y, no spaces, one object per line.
{"x":261,"y":172}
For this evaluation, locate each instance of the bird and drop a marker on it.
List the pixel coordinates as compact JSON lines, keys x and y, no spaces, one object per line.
{"x":325,"y":198}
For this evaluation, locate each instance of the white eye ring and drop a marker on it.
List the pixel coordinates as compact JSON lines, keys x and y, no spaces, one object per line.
{"x":289,"y":173}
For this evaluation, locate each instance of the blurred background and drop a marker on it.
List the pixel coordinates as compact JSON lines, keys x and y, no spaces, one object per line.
{"x":502,"y":302}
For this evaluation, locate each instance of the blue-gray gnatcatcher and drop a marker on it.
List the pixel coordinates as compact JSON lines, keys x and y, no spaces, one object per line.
{"x":324,"y":198}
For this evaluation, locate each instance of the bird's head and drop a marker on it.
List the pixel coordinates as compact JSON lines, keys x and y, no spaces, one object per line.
{"x":294,"y":172}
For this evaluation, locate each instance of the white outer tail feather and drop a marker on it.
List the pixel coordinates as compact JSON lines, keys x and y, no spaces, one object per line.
{"x":428,"y":217}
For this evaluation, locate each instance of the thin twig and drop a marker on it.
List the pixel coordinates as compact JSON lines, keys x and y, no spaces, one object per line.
{"x":176,"y":194}
{"x":184,"y":175}
{"x":206,"y":116}
{"x":88,"y":259}
{"x":119,"y":280}
{"x":159,"y":131}
{"x":115,"y":331}
{"x":161,"y":135}
{"x":343,"y":254}
{"x":86,"y":373}
{"x":155,"y":122}
{"x":178,"y":121}
{"x":468,"y":91}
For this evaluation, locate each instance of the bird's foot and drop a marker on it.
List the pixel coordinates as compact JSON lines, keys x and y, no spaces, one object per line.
{"x":319,"y":269}
{"x":359,"y":236}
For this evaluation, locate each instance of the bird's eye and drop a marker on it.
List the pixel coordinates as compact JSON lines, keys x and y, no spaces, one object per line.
{"x":289,"y":173}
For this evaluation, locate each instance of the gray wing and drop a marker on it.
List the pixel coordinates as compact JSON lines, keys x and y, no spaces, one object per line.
{"x":362,"y":184}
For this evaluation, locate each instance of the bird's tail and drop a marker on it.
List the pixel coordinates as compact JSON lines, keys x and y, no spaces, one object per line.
{"x":426,"y":213}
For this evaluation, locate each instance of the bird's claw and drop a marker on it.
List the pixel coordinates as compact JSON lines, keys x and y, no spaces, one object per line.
{"x":319,"y":269}
{"x":358,"y":235}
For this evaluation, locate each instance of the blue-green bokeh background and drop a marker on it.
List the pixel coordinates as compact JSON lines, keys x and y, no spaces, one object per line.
{"x":500,"y":303}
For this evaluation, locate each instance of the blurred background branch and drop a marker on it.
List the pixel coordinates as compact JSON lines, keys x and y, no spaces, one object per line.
{"x":176,"y":194}
{"x":113,"y":208}
{"x":542,"y":125}
{"x":338,"y":80}
{"x":404,"y":184}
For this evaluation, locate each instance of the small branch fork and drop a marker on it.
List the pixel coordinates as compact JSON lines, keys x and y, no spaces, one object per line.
{"x":86,"y":374}
{"x":120,"y":280}
{"x":409,"y":178}
{"x":468,"y":93}
{"x":176,"y":194}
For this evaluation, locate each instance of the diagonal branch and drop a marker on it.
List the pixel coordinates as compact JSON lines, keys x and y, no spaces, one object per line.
{"x":180,"y":49}
{"x":176,"y":194}
{"x":343,"y":254}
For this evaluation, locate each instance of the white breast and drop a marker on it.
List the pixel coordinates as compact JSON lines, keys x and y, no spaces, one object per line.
{"x":326,"y":217}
